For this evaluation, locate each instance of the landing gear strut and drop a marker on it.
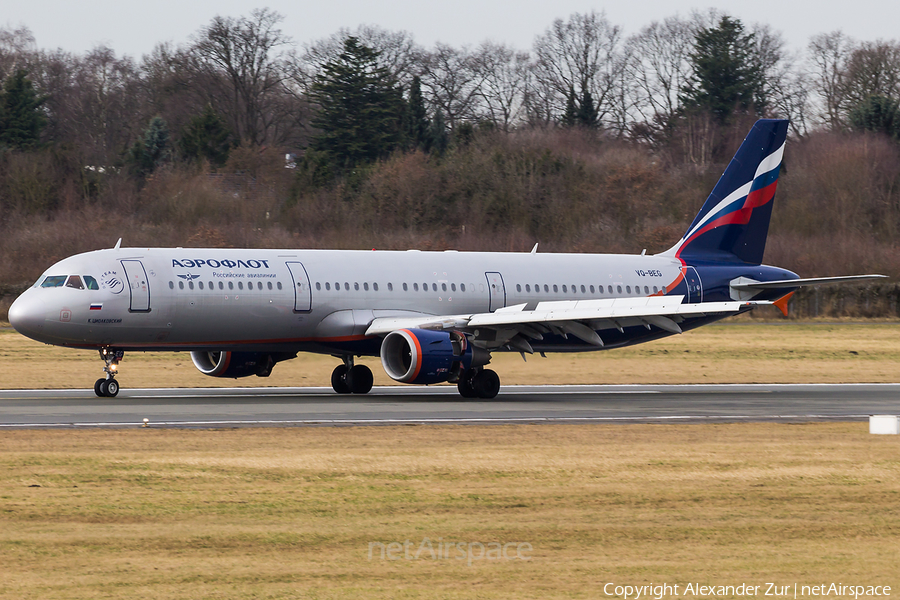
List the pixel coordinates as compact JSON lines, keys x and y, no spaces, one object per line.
{"x":479,"y":383}
{"x":351,"y":379}
{"x":109,"y":387}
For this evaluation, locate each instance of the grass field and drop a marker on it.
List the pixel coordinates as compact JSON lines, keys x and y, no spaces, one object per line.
{"x":740,"y":352}
{"x":292,"y":513}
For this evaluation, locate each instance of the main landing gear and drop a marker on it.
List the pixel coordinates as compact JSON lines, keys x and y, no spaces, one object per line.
{"x":351,"y":379}
{"x":479,"y":383}
{"x":109,"y":387}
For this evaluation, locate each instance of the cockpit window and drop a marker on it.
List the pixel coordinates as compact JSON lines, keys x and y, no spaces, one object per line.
{"x":54,"y":281}
{"x":91,"y":283}
{"x":74,"y":281}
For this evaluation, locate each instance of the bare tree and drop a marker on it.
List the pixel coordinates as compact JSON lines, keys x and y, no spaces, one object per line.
{"x":828,"y":54}
{"x":244,"y":64}
{"x":581,"y":54}
{"x":503,"y":73}
{"x":452,"y":83}
{"x":658,"y":67}
{"x":17,"y":49}
{"x":873,"y":69}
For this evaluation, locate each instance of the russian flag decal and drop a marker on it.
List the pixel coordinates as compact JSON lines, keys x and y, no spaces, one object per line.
{"x":96,"y":306}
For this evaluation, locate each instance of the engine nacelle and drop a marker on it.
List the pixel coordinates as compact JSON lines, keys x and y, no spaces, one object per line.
{"x":424,"y":356}
{"x":233,"y":364}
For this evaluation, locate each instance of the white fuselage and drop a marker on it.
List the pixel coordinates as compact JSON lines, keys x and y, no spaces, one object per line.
{"x":192,"y":299}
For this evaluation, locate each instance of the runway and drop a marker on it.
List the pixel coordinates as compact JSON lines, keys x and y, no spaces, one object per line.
{"x":243,"y":407}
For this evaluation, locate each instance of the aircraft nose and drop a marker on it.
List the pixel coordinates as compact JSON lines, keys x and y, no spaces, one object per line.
{"x":26,"y":316}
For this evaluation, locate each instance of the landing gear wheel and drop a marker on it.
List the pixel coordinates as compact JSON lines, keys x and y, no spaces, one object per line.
{"x":466,"y":385}
{"x":111,"y":388}
{"x":339,"y":379}
{"x":486,"y":384}
{"x":97,"y":385}
{"x":359,"y":379}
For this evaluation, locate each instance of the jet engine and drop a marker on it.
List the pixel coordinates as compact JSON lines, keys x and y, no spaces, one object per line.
{"x":233,"y":364}
{"x":424,"y":356}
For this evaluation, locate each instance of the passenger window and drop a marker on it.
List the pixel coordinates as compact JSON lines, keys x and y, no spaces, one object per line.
{"x":655,"y":290}
{"x":221,"y":285}
{"x":527,"y":287}
{"x":610,"y":290}
{"x":240,"y":285}
{"x":211,"y":285}
{"x":583,"y":290}
{"x":356,"y":286}
{"x":269,"y":284}
{"x":327,"y":286}
{"x":91,"y":283}
{"x":619,"y":289}
{"x":592,"y":288}
{"x":191,"y":284}
{"x":405,"y":288}
{"x":390,"y":286}
{"x":628,"y":289}
{"x":74,"y":281}
{"x":462,"y":287}
{"x":171,"y":285}
{"x":318,"y":286}
{"x":443,"y":287}
{"x":346,"y":286}
{"x":546,"y":288}
{"x":416,"y":287}
{"x":230,"y":285}
{"x":518,"y":287}
{"x":200,"y":283}
{"x":259,"y":285}
{"x":278,"y":285}
{"x":366,"y":286}
{"x":555,"y":288}
{"x":565,"y":289}
{"x":452,"y":287}
{"x":646,"y":290}
{"x":375,"y":286}
{"x":180,"y":285}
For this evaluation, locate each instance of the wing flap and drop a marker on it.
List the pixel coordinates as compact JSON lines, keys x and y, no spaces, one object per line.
{"x":580,"y":318}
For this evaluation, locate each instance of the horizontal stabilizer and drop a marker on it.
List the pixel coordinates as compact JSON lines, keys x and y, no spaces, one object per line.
{"x":750,"y":285}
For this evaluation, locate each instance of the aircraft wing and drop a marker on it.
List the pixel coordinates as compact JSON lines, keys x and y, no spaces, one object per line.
{"x":581,"y":318}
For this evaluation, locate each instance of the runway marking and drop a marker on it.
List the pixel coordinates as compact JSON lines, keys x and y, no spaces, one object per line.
{"x":430,"y":421}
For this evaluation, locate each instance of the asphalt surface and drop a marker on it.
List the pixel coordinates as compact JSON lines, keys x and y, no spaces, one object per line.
{"x":243,"y":407}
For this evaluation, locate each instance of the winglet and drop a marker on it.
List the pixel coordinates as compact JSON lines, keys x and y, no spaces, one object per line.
{"x":782,"y":303}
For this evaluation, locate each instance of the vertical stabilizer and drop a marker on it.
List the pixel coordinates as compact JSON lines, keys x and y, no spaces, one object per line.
{"x":733,"y":224}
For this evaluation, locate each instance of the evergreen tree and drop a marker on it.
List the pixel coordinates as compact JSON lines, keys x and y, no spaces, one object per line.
{"x":570,"y":117}
{"x":21,"y":119}
{"x":877,"y":113}
{"x":361,"y":107}
{"x":417,"y":131}
{"x":587,"y":115}
{"x":727,"y":74}
{"x":153,"y":150}
{"x":207,"y":136}
{"x":438,"y":138}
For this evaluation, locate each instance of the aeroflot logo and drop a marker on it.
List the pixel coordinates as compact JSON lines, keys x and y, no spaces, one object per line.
{"x":217,"y":264}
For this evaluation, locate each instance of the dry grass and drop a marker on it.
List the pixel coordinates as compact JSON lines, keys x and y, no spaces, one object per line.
{"x":290,"y":513}
{"x":742,"y":352}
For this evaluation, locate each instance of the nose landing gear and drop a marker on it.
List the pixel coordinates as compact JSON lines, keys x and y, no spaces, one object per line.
{"x":109,"y":387}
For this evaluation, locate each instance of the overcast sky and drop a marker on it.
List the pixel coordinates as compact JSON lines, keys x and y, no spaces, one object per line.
{"x":134,"y":28}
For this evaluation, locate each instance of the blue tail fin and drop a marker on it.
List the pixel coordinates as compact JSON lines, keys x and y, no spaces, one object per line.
{"x":733,"y":224}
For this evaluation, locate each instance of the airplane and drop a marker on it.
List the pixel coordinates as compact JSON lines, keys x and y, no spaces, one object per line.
{"x":432,"y":317}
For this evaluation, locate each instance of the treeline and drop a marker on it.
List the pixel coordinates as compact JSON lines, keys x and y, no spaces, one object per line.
{"x":590,"y":141}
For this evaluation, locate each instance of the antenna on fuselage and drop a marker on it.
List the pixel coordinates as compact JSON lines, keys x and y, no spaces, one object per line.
{"x":118,"y":244}
{"x":534,"y":250}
